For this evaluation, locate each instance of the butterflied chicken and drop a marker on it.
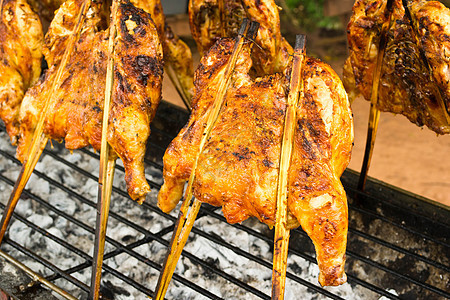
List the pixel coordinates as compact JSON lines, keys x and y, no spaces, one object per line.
{"x":177,"y":54}
{"x":238,"y":167}
{"x":21,"y":40}
{"x":213,"y":19}
{"x":406,"y":85}
{"x":76,"y":111}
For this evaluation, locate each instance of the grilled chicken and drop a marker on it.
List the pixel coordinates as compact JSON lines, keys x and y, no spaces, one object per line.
{"x":21,"y":40}
{"x":406,"y":85}
{"x":177,"y":54}
{"x":213,"y":19}
{"x":76,"y":113}
{"x":238,"y":167}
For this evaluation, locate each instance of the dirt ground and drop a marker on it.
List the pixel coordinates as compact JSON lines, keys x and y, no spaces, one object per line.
{"x":406,"y":156}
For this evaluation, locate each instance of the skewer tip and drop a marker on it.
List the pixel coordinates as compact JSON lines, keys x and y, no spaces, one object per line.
{"x":300,"y":41}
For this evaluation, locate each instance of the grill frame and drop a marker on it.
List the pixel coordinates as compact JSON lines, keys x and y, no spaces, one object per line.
{"x":418,"y":218}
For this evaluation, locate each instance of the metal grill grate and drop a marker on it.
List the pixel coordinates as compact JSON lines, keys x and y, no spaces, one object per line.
{"x":398,"y":245}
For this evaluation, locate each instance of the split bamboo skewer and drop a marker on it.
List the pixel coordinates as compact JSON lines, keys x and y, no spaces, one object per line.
{"x":107,"y":165}
{"x":281,"y":240}
{"x":39,"y":139}
{"x":188,"y":214}
{"x":436,"y":90}
{"x":374,"y":115}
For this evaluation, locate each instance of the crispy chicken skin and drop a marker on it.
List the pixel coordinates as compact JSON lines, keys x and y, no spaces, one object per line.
{"x":238,"y":167}
{"x":405,"y":84}
{"x":76,"y":115}
{"x":21,"y":40}
{"x":177,"y":54}
{"x":209,"y":22}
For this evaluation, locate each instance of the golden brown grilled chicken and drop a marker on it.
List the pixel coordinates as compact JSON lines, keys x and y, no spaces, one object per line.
{"x":76,"y":115}
{"x":213,"y":19}
{"x":238,"y":167}
{"x":406,"y":85}
{"x":21,"y":40}
{"x":177,"y":54}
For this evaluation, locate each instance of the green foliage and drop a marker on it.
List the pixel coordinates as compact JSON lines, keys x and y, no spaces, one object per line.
{"x":309,"y":14}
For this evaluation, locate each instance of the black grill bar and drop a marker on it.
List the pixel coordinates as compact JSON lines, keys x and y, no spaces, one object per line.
{"x":47,"y":264}
{"x":188,"y":255}
{"x":192,"y":257}
{"x":430,"y":231}
{"x":389,"y":270}
{"x":260,"y":261}
{"x":399,"y":249}
{"x":127,"y":222}
{"x":119,"y":248}
{"x":399,"y":225}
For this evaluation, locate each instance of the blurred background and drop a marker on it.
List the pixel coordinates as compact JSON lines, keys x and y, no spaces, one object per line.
{"x":406,"y":156}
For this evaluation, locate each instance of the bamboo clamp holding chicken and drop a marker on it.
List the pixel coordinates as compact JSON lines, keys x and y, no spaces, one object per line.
{"x":374,"y":115}
{"x":107,"y":166}
{"x":189,"y":212}
{"x":281,"y":240}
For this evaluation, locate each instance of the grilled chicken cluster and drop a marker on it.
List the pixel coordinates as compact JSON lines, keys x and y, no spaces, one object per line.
{"x":76,"y":114}
{"x":413,"y":49}
{"x":238,"y":167}
{"x":213,"y":19}
{"x":21,"y":40}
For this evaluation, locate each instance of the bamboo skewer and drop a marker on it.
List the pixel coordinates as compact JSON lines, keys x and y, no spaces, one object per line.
{"x":223,"y":24}
{"x":436,"y":90}
{"x":374,"y":115}
{"x":39,"y":139}
{"x":189,"y":213}
{"x":107,"y":165}
{"x":281,"y":240}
